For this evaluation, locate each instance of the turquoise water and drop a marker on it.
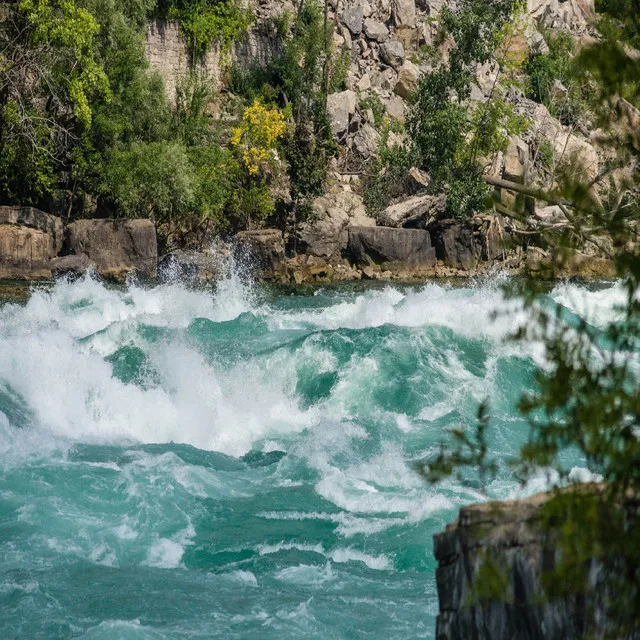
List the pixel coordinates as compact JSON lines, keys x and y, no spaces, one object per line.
{"x":180,"y":463}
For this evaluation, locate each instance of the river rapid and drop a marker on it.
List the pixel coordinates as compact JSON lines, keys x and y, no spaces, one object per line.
{"x":236,"y":463}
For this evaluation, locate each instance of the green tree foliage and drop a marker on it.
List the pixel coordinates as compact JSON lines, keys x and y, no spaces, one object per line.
{"x":50,"y":75}
{"x":445,"y":134}
{"x":207,"y":22}
{"x":96,"y":124}
{"x":587,"y":399}
{"x":553,"y":80}
{"x":625,"y":14}
{"x":298,"y":78}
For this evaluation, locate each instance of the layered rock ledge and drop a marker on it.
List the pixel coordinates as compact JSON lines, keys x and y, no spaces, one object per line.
{"x":504,"y":544}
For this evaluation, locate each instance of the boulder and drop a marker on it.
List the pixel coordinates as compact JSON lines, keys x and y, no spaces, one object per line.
{"x":510,"y":545}
{"x":34,"y":219}
{"x":395,"y":107}
{"x":393,"y":249}
{"x":73,"y":264}
{"x":408,"y":77}
{"x":516,"y":161}
{"x":191,"y":266}
{"x":25,"y":252}
{"x":326,"y":236}
{"x":392,"y":52}
{"x":265,"y":249}
{"x":340,"y":107}
{"x":404,"y":12}
{"x":366,"y":141}
{"x":455,"y":244}
{"x":116,"y":247}
{"x":571,"y":152}
{"x":413,"y":212}
{"x":353,"y":18}
{"x":375,"y":30}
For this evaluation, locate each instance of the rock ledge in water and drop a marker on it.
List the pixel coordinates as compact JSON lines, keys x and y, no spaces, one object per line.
{"x":509,"y":535}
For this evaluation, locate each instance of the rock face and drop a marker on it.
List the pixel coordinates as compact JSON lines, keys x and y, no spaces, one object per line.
{"x":24,"y":253}
{"x":191,"y":266}
{"x":29,"y":239}
{"x":34,"y":219}
{"x":116,"y":247}
{"x":508,"y":536}
{"x":264,"y":249}
{"x":455,"y":246}
{"x":327,"y":236}
{"x":392,"y":249}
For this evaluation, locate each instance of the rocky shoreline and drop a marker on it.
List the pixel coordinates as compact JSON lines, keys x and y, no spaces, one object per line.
{"x":35,"y":245}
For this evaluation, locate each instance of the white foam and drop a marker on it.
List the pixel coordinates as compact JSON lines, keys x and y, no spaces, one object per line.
{"x":339,"y":555}
{"x":306,"y":574}
{"x":245,"y":577}
{"x":165,"y":554}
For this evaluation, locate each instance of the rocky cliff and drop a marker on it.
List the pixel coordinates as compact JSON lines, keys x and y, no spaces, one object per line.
{"x":489,"y":578}
{"x":384,"y":41}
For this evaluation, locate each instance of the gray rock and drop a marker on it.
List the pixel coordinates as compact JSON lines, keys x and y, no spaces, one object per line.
{"x":455,"y":245}
{"x":353,"y":17}
{"x":404,"y":12}
{"x":191,"y":266}
{"x":116,"y":247}
{"x":34,"y":219}
{"x":393,"y":249}
{"x":408,"y":77}
{"x":385,"y":79}
{"x":509,"y":535}
{"x":375,"y":30}
{"x":395,"y":107}
{"x":74,"y":264}
{"x":340,"y":107}
{"x":516,"y":161}
{"x":366,"y":141}
{"x":327,"y":236}
{"x":392,"y":52}
{"x":265,"y":250}
{"x":414,"y":212}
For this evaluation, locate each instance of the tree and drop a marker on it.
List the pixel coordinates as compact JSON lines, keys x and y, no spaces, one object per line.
{"x":443,"y":133}
{"x":49,"y":77}
{"x":255,"y":142}
{"x":588,"y":398}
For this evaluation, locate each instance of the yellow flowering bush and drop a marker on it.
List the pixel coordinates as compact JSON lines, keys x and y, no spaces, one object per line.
{"x":257,"y":135}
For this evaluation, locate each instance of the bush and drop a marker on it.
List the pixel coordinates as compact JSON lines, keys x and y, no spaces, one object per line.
{"x":552,"y":79}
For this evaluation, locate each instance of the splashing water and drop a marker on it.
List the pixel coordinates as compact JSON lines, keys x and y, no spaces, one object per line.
{"x":179,"y":463}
